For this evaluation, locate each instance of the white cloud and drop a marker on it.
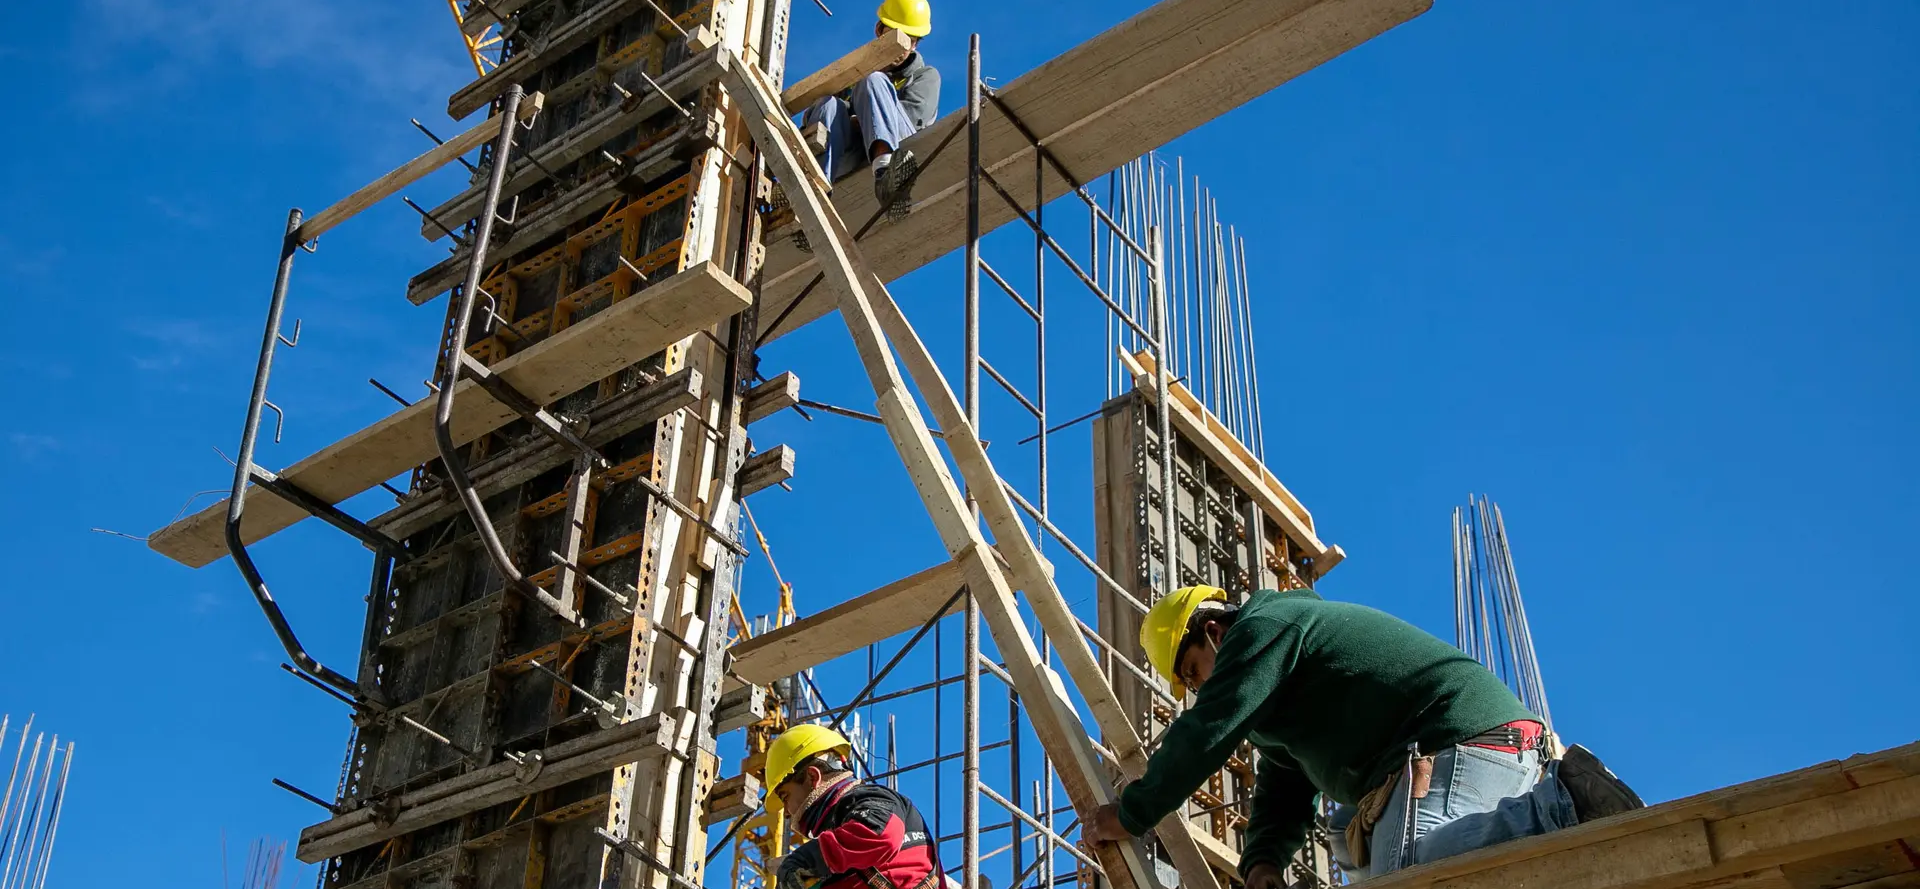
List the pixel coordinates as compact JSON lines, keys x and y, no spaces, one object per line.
{"x":382,"y":52}
{"x":29,"y":261}
{"x":31,"y":445}
{"x":173,"y":341}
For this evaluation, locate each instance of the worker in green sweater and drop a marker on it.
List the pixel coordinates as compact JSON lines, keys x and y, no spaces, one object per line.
{"x":1357,"y":705}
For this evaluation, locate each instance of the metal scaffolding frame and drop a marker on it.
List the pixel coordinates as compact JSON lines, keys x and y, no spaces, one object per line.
{"x":1034,"y":820}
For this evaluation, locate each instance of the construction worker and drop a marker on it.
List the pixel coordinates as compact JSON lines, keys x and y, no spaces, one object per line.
{"x":863,"y":836}
{"x":1354,"y":704}
{"x":868,"y":123}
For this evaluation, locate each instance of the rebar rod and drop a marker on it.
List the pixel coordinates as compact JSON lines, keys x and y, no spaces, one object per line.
{"x":970,"y":799}
{"x":6,"y":802}
{"x":1163,"y":417}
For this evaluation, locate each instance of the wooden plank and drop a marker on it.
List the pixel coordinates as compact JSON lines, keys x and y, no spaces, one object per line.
{"x":1772,"y":822}
{"x":563,"y":38}
{"x":412,"y":171}
{"x":1221,"y":435}
{"x":846,"y":627}
{"x":1250,"y":477}
{"x":846,"y":71}
{"x":732,"y":798}
{"x":1219,"y":855}
{"x":501,"y":782}
{"x":770,"y":397}
{"x":627,"y":332}
{"x":525,"y":461}
{"x":1633,"y":860}
{"x":1135,"y":87}
{"x":764,"y":470}
{"x":739,"y":708}
{"x":1876,"y":813}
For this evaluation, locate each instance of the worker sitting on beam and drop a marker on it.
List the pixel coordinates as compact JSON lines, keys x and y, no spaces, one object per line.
{"x":868,"y":122}
{"x":1357,"y":705}
{"x":864,"y":836}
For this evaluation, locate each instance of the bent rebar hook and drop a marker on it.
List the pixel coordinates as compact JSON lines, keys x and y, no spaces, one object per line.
{"x":243,"y":475}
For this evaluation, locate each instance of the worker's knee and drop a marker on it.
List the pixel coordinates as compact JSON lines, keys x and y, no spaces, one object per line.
{"x":874,"y":84}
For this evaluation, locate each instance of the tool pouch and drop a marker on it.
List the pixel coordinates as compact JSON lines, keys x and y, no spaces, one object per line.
{"x":1367,"y":812}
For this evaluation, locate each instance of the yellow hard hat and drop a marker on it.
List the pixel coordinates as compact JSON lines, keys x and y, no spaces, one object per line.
{"x":795,"y":746}
{"x":910,"y":16}
{"x":1165,"y":627}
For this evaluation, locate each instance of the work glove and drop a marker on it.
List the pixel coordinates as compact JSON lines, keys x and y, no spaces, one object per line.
{"x":801,"y":868}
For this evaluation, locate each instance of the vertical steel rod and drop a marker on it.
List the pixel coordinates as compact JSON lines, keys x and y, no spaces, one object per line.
{"x":970,"y":762}
{"x":8,"y":846}
{"x":53,"y":820}
{"x":32,"y":822}
{"x":971,"y":374}
{"x":6,"y":802}
{"x":1163,"y":416}
{"x":1253,"y":361}
{"x":970,"y":801}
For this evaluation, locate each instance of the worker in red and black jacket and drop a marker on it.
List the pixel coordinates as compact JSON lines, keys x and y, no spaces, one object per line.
{"x":861,"y":833}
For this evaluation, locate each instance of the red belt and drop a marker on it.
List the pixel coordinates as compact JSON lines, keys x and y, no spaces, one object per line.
{"x":1518,"y":736}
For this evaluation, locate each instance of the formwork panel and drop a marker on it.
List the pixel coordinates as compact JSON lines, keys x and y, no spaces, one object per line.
{"x":1215,"y":544}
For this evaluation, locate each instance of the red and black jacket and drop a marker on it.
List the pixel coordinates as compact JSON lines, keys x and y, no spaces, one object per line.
{"x":867,"y":837}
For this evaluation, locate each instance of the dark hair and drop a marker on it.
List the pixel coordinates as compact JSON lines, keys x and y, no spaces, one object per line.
{"x":1197,"y":626}
{"x":829,"y":763}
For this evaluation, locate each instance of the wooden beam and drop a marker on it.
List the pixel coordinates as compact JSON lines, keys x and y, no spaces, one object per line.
{"x":764,"y":470}
{"x":847,"y":627}
{"x":739,"y":707}
{"x":770,"y":397}
{"x":1727,"y":834}
{"x":1143,"y":365}
{"x":629,"y":331}
{"x":1135,"y":87}
{"x":525,"y":461}
{"x":846,"y":71}
{"x":1219,"y":854}
{"x":563,"y":38}
{"x":1198,"y":425}
{"x":412,"y":171}
{"x":732,"y":798}
{"x":647,"y":737}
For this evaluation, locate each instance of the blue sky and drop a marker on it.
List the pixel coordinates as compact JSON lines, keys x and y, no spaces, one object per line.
{"x":1643,"y":272}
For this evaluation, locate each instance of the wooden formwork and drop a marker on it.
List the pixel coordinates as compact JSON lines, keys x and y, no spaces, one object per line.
{"x":1227,"y":535}
{"x":628,"y":190}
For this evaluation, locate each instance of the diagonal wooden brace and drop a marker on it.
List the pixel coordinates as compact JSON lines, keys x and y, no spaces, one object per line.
{"x":873,"y":319}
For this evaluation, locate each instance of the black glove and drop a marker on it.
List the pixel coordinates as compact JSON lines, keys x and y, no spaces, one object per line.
{"x":801,"y":868}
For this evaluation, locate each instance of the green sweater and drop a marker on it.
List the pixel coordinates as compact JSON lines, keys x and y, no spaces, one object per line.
{"x":1331,"y":694}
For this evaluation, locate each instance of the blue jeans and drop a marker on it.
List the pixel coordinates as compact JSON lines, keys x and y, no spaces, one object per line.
{"x":873,"y":115}
{"x":1478,"y":797}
